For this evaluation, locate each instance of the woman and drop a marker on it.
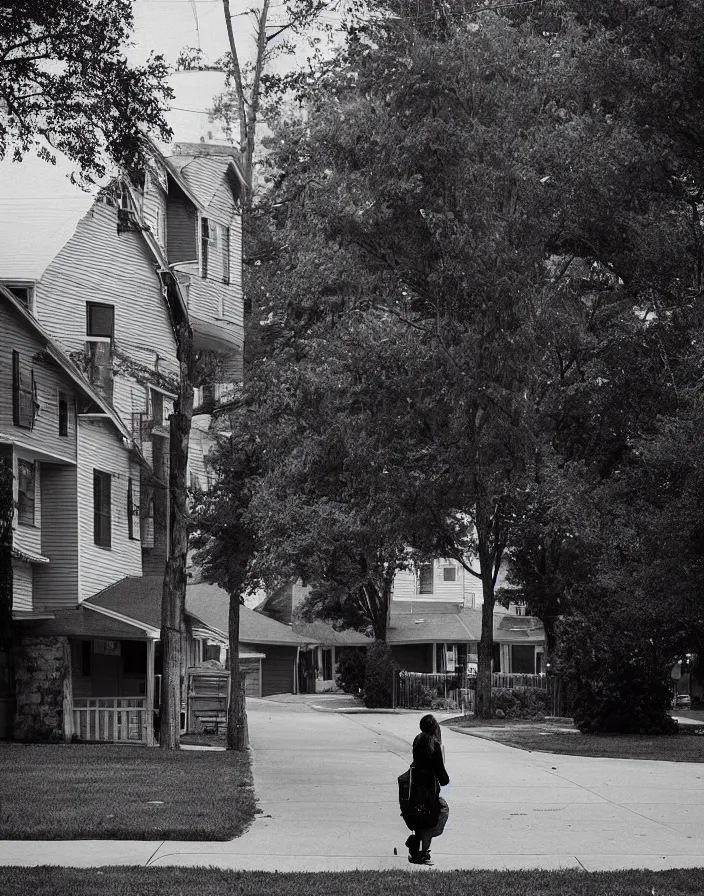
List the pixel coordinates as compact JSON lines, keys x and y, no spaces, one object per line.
{"x":428,"y":771}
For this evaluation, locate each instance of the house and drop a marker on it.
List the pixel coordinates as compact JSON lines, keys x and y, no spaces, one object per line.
{"x":434,"y":626}
{"x":99,"y":276}
{"x":440,"y":637}
{"x":279,"y":643}
{"x":77,"y":473}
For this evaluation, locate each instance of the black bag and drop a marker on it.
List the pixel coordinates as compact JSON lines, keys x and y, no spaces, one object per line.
{"x":418,"y":800}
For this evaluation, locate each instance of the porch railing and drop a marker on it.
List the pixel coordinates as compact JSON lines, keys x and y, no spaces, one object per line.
{"x":113,"y":719}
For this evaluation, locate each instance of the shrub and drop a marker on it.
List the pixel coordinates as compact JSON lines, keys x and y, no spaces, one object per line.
{"x":351,"y":666}
{"x":617,"y":685}
{"x":379,"y":676}
{"x":520,"y":703}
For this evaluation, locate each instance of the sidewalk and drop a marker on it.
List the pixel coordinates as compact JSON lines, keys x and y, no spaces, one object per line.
{"x":326,"y":784}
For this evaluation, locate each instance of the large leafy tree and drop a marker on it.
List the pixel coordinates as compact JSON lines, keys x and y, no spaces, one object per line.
{"x":66,"y":83}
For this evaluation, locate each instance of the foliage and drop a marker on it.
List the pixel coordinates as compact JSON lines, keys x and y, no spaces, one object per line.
{"x":66,"y":83}
{"x":618,"y":678}
{"x":521,"y":703}
{"x":351,"y":670}
{"x":379,"y":676}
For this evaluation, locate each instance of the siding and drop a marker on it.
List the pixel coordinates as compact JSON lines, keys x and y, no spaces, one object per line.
{"x":98,"y":264}
{"x":56,"y":584}
{"x":21,"y":586}
{"x":465,"y":587}
{"x":49,"y":379}
{"x":154,"y":200}
{"x":99,"y":448}
{"x":277,"y":669}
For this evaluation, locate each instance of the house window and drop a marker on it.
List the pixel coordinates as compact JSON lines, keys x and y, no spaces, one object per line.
{"x":449,"y":573}
{"x":157,"y":403}
{"x":100,"y":321}
{"x":26,"y":492}
{"x":131,"y":508}
{"x":63,"y":414}
{"x":23,"y":292}
{"x":24,"y":393}
{"x":495,"y":657}
{"x":102,"y":513}
{"x":204,"y":243}
{"x":425,"y":578}
{"x":523,"y":659}
{"x":327,"y":664}
{"x":226,"y":256}
{"x":134,"y":657}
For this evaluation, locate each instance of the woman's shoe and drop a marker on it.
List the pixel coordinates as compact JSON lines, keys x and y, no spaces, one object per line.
{"x":413,"y":843}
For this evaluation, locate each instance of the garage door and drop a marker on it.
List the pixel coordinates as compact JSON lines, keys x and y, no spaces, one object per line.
{"x":277,"y":669}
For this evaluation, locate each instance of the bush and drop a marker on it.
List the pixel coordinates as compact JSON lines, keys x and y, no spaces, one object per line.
{"x":379,"y":676}
{"x":520,"y":703}
{"x":351,"y":666}
{"x":617,"y":683}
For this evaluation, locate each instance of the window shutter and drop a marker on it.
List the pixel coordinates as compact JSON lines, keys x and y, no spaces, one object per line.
{"x":24,"y":403}
{"x":226,"y":256}
{"x":130,"y":509}
{"x":204,"y":242}
{"x":102,"y":511}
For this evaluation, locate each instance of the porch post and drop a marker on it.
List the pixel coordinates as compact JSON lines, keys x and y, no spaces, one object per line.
{"x":149,"y":701}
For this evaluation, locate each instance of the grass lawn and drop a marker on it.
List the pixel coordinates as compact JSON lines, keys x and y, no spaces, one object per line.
{"x":107,"y":791}
{"x":211,"y":882}
{"x":550,"y":737}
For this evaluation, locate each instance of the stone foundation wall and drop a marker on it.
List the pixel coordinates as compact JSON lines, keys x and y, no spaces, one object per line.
{"x":43,"y":692}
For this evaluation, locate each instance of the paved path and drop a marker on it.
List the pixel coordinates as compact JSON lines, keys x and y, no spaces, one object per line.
{"x":326,"y":784}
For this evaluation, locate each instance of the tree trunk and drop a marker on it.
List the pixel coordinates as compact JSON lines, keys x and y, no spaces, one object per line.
{"x":237,"y":735}
{"x":486,"y":649}
{"x":173,"y":601}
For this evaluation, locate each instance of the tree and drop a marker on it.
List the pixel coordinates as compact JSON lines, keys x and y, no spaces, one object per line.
{"x":226,"y":541}
{"x":66,"y":84}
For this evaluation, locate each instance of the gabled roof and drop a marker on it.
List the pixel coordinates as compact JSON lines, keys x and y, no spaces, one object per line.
{"x":425,"y":622}
{"x":323,"y":633}
{"x":212,"y":603}
{"x":139,"y":598}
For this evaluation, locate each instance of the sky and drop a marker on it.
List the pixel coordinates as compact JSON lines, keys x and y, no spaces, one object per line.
{"x":167,"y":26}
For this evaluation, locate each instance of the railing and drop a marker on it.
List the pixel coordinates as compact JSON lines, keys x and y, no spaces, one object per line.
{"x":112,"y":719}
{"x":416,"y":690}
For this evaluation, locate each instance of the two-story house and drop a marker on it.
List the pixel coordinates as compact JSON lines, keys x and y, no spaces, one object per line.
{"x":94,"y":272}
{"x":76,"y":491}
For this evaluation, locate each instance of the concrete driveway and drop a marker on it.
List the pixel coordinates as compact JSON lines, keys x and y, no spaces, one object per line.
{"x":326,"y":784}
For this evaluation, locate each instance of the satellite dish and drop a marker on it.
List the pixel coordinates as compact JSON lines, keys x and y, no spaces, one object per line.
{"x":676,"y":672}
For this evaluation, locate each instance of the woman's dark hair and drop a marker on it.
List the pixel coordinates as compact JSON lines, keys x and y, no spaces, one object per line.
{"x":428,"y":724}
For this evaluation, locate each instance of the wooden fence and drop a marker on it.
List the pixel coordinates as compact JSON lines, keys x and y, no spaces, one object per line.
{"x":111,"y":719}
{"x":418,"y":690}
